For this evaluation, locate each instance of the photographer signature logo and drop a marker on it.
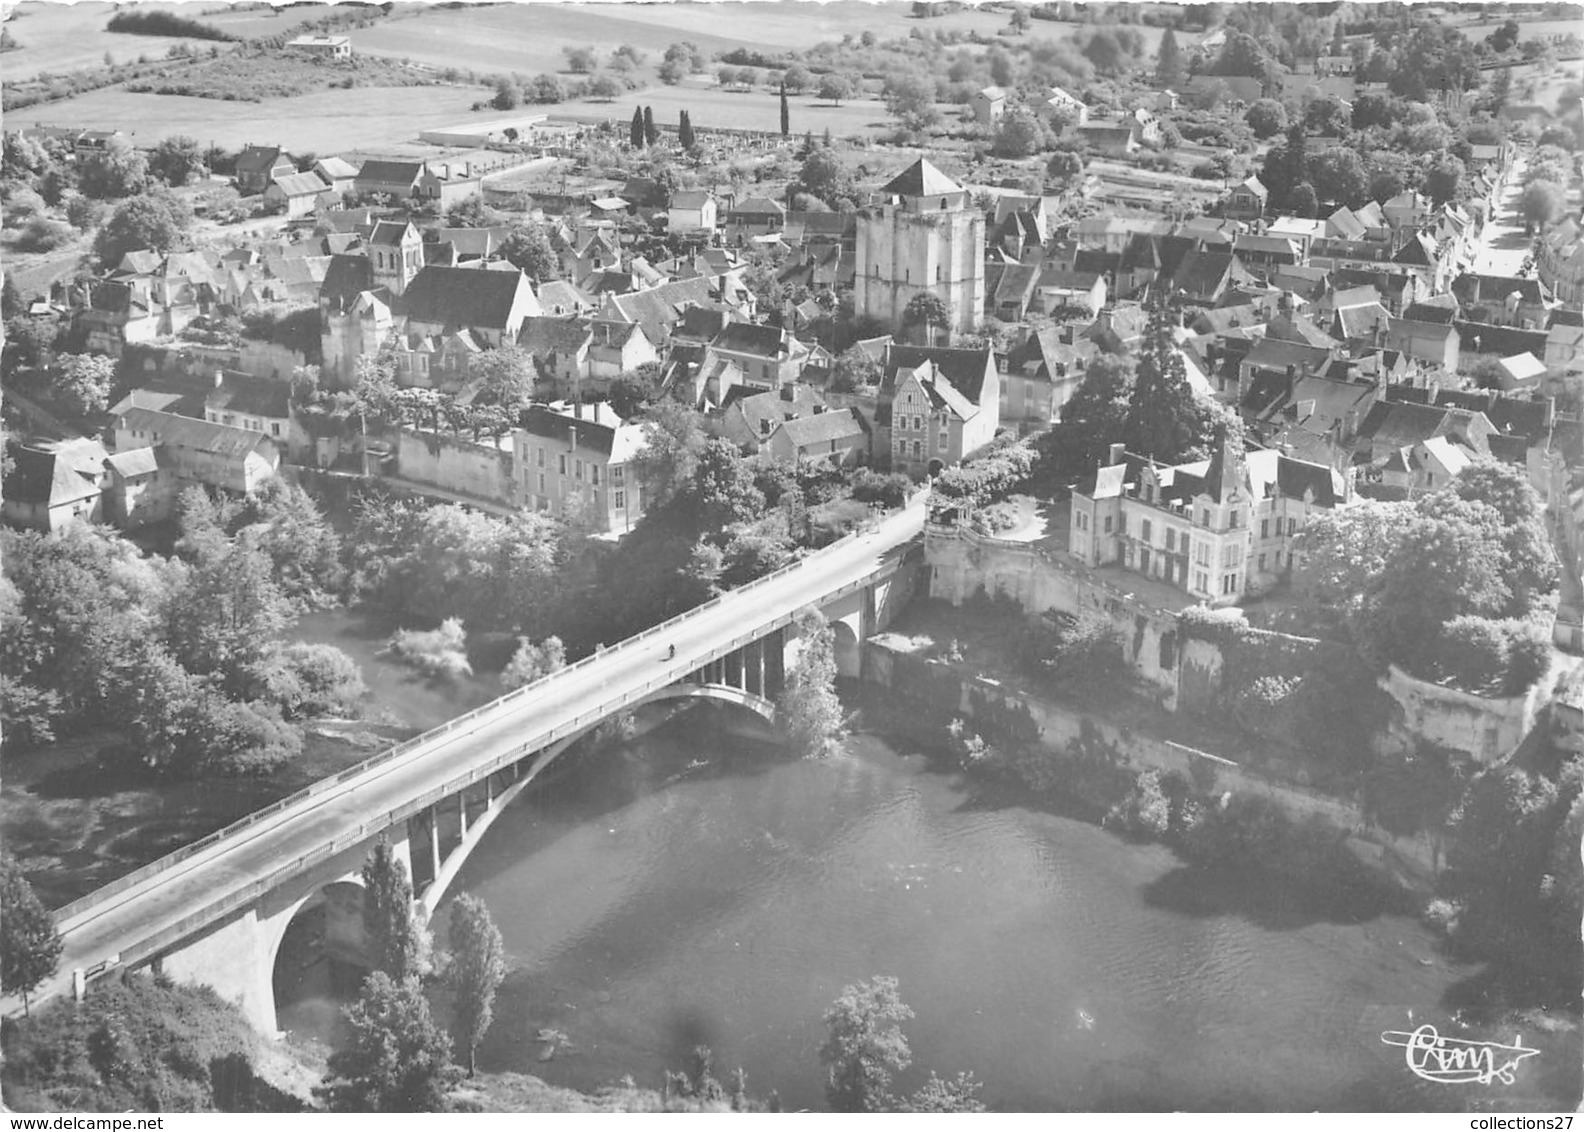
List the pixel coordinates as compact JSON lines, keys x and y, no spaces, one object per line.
{"x":1454,"y":1061}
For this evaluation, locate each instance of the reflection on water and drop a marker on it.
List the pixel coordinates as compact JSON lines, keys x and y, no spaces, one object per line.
{"x":647,"y":912}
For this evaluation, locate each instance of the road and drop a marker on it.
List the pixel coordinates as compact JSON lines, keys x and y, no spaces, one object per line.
{"x":126,"y":919}
{"x":1503,"y":244}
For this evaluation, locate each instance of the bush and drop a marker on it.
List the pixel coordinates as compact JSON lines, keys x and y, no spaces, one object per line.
{"x":1473,"y":652}
{"x":1146,"y":809}
{"x":989,"y":478}
{"x":238,"y":739}
{"x":890,"y":490}
{"x":164,"y":23}
{"x":41,"y":234}
{"x":435,"y":652}
{"x":316,"y":680}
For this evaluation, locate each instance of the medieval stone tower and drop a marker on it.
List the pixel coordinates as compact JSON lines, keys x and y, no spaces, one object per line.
{"x":926,"y":237}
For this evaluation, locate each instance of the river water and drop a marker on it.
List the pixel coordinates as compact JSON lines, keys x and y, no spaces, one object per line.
{"x":648,"y":908}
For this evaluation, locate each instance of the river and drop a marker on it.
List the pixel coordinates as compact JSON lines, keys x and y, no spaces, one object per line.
{"x":648,"y":908}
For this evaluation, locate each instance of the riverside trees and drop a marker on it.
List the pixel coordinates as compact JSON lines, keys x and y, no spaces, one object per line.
{"x":30,"y":943}
{"x":809,"y":711}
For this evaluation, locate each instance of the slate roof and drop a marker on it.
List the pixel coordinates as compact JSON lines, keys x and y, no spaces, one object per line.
{"x":544,"y":334}
{"x":1276,"y":354}
{"x":389,"y":233}
{"x":137,"y":462}
{"x":255,"y":396}
{"x":921,"y":179}
{"x":1503,"y":341}
{"x":189,"y":432}
{"x":749,"y":338}
{"x":821,"y":428}
{"x":691,"y":198}
{"x":335,"y":168}
{"x":346,"y":277}
{"x":1471,"y":288}
{"x":1202,"y":273}
{"x":258,"y":159}
{"x":300,"y":184}
{"x":1399,"y":424}
{"x":965,"y":369}
{"x":54,"y":474}
{"x":598,"y":429}
{"x":462,"y":296}
{"x":377,"y":172}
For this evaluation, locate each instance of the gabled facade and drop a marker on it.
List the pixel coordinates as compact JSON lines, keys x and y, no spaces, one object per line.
{"x":578,"y":458}
{"x":936,"y":406}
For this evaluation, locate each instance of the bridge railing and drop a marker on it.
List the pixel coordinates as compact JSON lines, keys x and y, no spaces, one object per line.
{"x":187,"y":852}
{"x":238,"y":898}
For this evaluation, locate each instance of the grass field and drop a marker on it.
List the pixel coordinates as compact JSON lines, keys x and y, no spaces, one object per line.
{"x":71,"y":37}
{"x":750,"y":110}
{"x":331,"y":121}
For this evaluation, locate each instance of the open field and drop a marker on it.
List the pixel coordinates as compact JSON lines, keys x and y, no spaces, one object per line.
{"x":71,"y":37}
{"x":329,"y":121}
{"x":747,"y":110}
{"x":246,"y":22}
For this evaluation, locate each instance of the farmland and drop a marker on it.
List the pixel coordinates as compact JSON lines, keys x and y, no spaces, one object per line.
{"x":326,"y":121}
{"x":741,"y":110}
{"x":61,"y":37}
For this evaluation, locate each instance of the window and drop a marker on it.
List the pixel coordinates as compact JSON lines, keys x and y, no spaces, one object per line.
{"x":945,"y":439}
{"x":1171,"y":538}
{"x":618,"y":474}
{"x":274,"y":428}
{"x":901,"y":447}
{"x":1201,"y":554}
{"x":1278,"y":559}
{"x":1264,"y":528}
{"x":918,"y":450}
{"x":1292,"y":527}
{"x":1231,"y":555}
{"x":594,"y":474}
{"x":621,"y":501}
{"x":577,"y":470}
{"x":541,"y":483}
{"x":1235,"y":519}
{"x":1229,"y":584}
{"x":561,"y":462}
{"x":1262,"y":563}
{"x":1144,"y":531}
{"x":539,"y":452}
{"x":1204,"y":517}
{"x":1108,"y":524}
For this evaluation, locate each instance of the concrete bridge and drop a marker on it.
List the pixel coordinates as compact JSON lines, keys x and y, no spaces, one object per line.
{"x":216,"y":912}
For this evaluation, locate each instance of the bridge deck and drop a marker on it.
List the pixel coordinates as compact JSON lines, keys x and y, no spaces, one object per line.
{"x":145,"y":913}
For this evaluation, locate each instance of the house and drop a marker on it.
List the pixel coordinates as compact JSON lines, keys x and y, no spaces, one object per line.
{"x":490,"y":304}
{"x":747,"y":418}
{"x":258,"y":165}
{"x":692,"y":211}
{"x":53,"y":484}
{"x":617,"y":347}
{"x":577,"y":458}
{"x":754,"y":216}
{"x":1009,"y":289}
{"x":296,"y":194}
{"x":988,"y":105}
{"x":340,"y":175}
{"x":1522,"y":371}
{"x":322,"y":46}
{"x":1435,"y":344}
{"x":234,"y":459}
{"x":1560,"y":262}
{"x":1263,"y":254}
{"x":559,"y":346}
{"x":141,"y":490}
{"x":257,"y":404}
{"x":1042,"y":373}
{"x":768,"y":356}
{"x":1065,"y":107}
{"x":447,"y":184}
{"x":1058,"y":291}
{"x":1502,"y":300}
{"x":937,"y":406}
{"x":1289,"y":360}
{"x":836,"y":436}
{"x":1217,"y":529}
{"x":1246,"y":201}
{"x":1113,"y":137}
{"x":1203,"y":277}
{"x":1391,"y":428}
{"x":398,"y":179}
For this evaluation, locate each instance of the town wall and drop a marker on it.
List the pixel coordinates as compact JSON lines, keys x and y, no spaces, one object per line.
{"x":454,"y":464}
{"x":1488,"y":728}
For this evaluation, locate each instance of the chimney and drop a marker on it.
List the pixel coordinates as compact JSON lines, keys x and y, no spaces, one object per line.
{"x":1114,"y":453}
{"x":764,"y":426}
{"x":789,"y":392}
{"x":818,"y":409}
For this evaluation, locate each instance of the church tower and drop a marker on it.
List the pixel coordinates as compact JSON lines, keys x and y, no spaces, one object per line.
{"x":926,"y":238}
{"x":396,"y":251}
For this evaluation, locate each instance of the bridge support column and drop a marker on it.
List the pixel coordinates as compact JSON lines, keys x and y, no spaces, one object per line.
{"x":462,"y":816}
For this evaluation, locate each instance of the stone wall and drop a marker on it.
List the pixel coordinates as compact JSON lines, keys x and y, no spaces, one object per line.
{"x":451,"y":463}
{"x":1488,"y":728}
{"x":962,"y":563}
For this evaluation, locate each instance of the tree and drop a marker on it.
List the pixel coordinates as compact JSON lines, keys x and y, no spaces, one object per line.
{"x":808,"y":709}
{"x":670,"y":454}
{"x":228,"y":613}
{"x":1297,"y":156}
{"x":30,"y":943}
{"x":507,"y":96}
{"x":824,"y":176}
{"x":1542,"y":203}
{"x":864,"y":1045}
{"x":685,"y":131}
{"x":786,"y":115}
{"x":1529,"y":569}
{"x":796,"y":79}
{"x":177,"y":160}
{"x":532,"y":661}
{"x":396,"y":1059}
{"x":1338,"y":177}
{"x":527,"y":246}
{"x":1302,"y":201}
{"x":506,"y":376}
{"x":1170,"y":69}
{"x":1164,"y":417}
{"x":478,"y":964}
{"x":1443,"y":181}
{"x":116,"y":171}
{"x":1018,"y":134}
{"x":580,"y":60}
{"x":927,"y":308}
{"x":834,"y":87}
{"x":604,"y":87}
{"x":83,"y":382}
{"x":1266,"y":118}
{"x":1064,"y":165}
{"x":157,"y":220}
{"x":938,"y":1094}
{"x":635,"y":132}
{"x":394,"y":938}
{"x":1327,"y":117}
{"x":1504,"y":38}
{"x":1019,"y":22}
{"x":911,"y":99}
{"x":1276,"y":173}
{"x":650,"y":133}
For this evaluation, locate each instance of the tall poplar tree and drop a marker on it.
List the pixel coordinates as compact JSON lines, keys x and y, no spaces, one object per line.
{"x":635,"y":133}
{"x":1297,"y":159}
{"x":478,"y":964}
{"x":1169,"y":69}
{"x":395,"y":942}
{"x":685,"y":130}
{"x":1163,"y":419}
{"x":650,"y":133}
{"x":786,"y":115}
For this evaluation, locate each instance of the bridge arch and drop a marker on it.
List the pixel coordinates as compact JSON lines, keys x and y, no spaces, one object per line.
{"x":848,"y":654}
{"x":319,"y":954}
